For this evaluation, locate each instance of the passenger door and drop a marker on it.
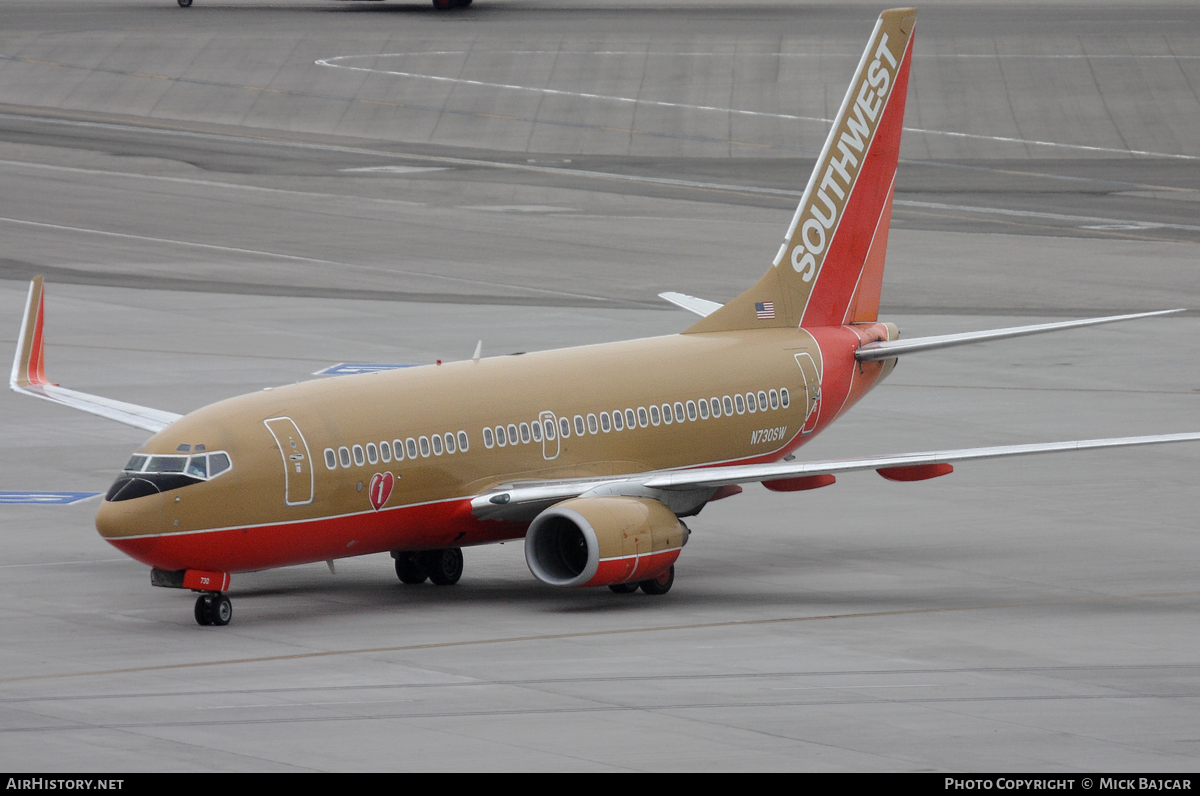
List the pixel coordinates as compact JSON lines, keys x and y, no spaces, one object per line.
{"x":297,"y":464}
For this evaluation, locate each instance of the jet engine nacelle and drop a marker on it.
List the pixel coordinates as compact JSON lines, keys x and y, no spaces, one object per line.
{"x":601,"y":541}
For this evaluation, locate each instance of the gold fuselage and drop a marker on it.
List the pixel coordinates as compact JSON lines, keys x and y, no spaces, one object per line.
{"x":467,"y":396}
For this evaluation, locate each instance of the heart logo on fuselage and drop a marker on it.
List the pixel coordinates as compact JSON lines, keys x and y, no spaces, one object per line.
{"x":381,"y":489}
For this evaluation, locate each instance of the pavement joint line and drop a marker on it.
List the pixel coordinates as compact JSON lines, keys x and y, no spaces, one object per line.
{"x":257,"y":252}
{"x":585,"y":709}
{"x":330,"y":62}
{"x":1132,"y":224}
{"x":584,"y":95}
{"x":596,"y":634}
{"x":410,"y":106}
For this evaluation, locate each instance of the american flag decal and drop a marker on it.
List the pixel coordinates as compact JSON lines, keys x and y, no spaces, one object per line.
{"x":764,"y":309}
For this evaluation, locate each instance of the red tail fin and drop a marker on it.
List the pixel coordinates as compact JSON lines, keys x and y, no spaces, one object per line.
{"x":829,"y":269}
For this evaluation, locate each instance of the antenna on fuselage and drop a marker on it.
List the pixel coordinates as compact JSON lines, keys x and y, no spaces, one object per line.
{"x":478,"y":351}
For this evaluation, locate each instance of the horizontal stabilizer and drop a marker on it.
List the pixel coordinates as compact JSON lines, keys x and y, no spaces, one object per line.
{"x":29,"y":375}
{"x":894,"y":348}
{"x":702,"y":307}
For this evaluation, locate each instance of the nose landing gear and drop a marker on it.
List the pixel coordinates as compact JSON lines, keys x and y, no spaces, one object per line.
{"x":213,"y":608}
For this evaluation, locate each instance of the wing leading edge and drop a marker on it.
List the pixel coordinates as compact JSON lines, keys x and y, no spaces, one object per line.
{"x":513,"y":502}
{"x":29,"y":375}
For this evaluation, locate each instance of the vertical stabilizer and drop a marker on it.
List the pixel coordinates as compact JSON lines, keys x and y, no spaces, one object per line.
{"x":830,"y":267}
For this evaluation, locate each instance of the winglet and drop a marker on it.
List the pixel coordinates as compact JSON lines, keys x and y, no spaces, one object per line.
{"x":29,"y":362}
{"x":29,"y":375}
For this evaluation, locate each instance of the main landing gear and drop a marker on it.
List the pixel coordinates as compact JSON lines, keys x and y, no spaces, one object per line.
{"x":213,"y":608}
{"x":659,"y":585}
{"x":442,"y":567}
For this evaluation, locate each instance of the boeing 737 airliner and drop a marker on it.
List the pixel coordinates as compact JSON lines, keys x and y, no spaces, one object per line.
{"x":591,"y":454}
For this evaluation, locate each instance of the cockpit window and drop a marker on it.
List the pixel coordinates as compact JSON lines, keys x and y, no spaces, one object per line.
{"x":149,"y":474}
{"x":166,"y":464}
{"x":217,"y":464}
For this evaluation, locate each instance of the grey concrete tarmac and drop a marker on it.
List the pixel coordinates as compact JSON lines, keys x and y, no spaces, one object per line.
{"x":181,"y":178}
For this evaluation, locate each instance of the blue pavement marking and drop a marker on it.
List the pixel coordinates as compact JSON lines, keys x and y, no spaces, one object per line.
{"x":350,"y":368}
{"x":48,"y":498}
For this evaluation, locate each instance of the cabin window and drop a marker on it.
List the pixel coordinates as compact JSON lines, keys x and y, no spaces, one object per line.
{"x":385,"y":451}
{"x":752,"y":403}
{"x":774,"y":400}
{"x":501,"y":436}
{"x":217,"y":464}
{"x":463,"y":442}
{"x":579,"y":425}
{"x":618,"y":420}
{"x":655,"y":419}
{"x":727,"y":405}
{"x":550,"y":432}
{"x":424,"y":442}
{"x":691,"y":410}
{"x":525,"y":433}
{"x":411,"y":445}
{"x":372,"y":453}
{"x":536,"y":428}
{"x":678,"y":412}
{"x":564,"y":427}
{"x":762,"y":401}
{"x":398,"y":447}
{"x":330,"y":459}
{"x":784,"y":400}
{"x":359,"y":459}
{"x":593,"y":428}
{"x":666,"y":413}
{"x":641,"y":413}
{"x":605,"y":423}
{"x":488,"y":440}
{"x":714,"y":404}
{"x":740,"y":403}
{"x":703,"y":409}
{"x":437,"y":445}
{"x":449,"y":442}
{"x":512,"y":434}
{"x":344,"y":456}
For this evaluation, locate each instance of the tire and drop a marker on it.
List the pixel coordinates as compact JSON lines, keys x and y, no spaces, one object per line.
{"x":185,"y":3}
{"x":203,"y":610}
{"x":445,"y":566}
{"x":623,"y":588}
{"x":221,"y":610}
{"x":411,"y":568}
{"x":660,"y":585}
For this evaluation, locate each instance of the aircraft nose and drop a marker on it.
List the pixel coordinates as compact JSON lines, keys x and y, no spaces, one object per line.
{"x":142,"y":516}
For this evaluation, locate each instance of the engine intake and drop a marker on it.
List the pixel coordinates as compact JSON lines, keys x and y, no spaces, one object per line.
{"x":600,"y":541}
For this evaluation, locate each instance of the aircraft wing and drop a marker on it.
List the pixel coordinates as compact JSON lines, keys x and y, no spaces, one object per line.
{"x":29,"y":376}
{"x":519,"y":501}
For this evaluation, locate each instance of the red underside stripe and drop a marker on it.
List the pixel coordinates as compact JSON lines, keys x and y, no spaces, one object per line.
{"x":429,"y":527}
